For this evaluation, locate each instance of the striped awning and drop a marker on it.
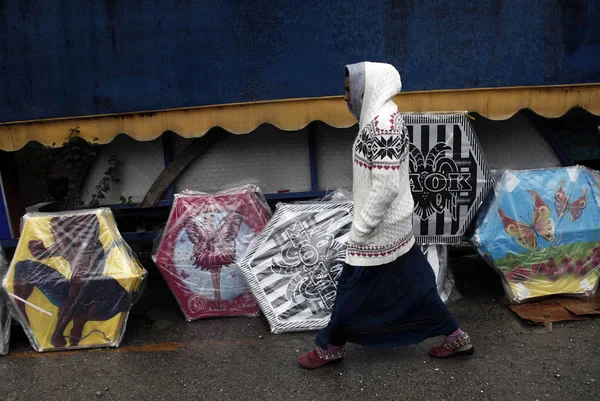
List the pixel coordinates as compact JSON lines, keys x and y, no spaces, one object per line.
{"x":295,"y":114}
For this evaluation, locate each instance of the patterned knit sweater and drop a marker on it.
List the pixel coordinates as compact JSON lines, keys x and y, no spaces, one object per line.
{"x":383,"y":204}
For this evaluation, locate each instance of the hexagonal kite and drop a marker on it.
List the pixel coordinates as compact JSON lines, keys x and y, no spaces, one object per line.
{"x":73,"y":280}
{"x":448,"y":175}
{"x":4,"y":312}
{"x":542,"y":232}
{"x":293,"y":266}
{"x":437,"y":256}
{"x":198,"y":255}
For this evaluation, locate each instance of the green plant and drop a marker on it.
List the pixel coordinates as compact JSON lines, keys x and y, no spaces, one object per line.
{"x":103,"y":187}
{"x":127,"y":200}
{"x":72,"y":157}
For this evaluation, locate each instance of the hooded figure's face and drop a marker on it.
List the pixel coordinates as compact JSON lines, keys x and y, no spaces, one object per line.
{"x":347,"y":96}
{"x":369,"y":87}
{"x":354,"y":86}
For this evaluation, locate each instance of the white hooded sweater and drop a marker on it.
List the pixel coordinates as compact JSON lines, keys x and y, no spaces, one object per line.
{"x":383,"y":204}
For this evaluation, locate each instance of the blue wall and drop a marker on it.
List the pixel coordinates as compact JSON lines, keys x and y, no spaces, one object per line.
{"x":69,"y":58}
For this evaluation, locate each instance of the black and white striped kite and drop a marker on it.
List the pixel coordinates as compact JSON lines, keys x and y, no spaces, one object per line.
{"x":292,"y":268}
{"x":449,"y":176}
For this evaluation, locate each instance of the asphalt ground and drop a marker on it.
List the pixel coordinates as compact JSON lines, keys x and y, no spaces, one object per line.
{"x":162,"y":357}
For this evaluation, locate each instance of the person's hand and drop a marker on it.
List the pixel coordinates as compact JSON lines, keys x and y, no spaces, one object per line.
{"x":357,"y":237}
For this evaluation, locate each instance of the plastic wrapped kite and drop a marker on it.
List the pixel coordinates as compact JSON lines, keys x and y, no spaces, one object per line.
{"x":73,"y":280}
{"x":437,"y":256}
{"x":449,"y":176}
{"x":198,"y":255}
{"x":4,"y":311}
{"x":541,"y":231}
{"x":293,"y":266}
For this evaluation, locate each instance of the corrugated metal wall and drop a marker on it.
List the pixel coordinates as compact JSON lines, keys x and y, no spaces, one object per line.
{"x":77,"y":58}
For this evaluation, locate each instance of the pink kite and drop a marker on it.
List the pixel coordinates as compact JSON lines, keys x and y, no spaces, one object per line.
{"x":205,"y":237}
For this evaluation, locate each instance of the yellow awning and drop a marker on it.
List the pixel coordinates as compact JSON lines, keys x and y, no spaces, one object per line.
{"x":295,"y":114}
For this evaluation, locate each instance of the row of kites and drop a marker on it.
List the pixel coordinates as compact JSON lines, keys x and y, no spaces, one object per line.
{"x":73,"y":280}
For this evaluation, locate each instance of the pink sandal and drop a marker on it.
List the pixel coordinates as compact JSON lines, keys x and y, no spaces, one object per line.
{"x":452,"y":346}
{"x":319,"y":357}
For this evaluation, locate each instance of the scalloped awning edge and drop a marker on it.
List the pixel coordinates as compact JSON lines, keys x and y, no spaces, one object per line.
{"x":295,"y":114}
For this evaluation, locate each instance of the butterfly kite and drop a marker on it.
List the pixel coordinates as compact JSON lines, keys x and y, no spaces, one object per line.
{"x":526,"y":234}
{"x":562,"y":204}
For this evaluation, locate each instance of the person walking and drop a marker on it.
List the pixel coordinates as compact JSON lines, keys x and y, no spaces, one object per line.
{"x":386,"y":293}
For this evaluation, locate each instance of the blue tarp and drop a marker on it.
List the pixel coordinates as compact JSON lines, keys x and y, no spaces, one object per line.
{"x":60,"y":59}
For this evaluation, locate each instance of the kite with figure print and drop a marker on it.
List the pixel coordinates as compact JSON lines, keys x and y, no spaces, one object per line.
{"x":199,"y":252}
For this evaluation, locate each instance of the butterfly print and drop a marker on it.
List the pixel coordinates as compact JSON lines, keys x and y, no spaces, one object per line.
{"x":562,"y":204}
{"x":526,"y":234}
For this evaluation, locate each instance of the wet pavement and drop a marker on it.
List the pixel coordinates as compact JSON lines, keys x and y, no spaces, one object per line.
{"x":164,"y":358}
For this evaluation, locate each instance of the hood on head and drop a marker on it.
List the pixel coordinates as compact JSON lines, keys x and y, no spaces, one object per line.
{"x":372,"y":86}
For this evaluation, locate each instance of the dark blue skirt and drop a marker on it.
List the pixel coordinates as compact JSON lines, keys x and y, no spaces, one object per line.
{"x":388,"y":306}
